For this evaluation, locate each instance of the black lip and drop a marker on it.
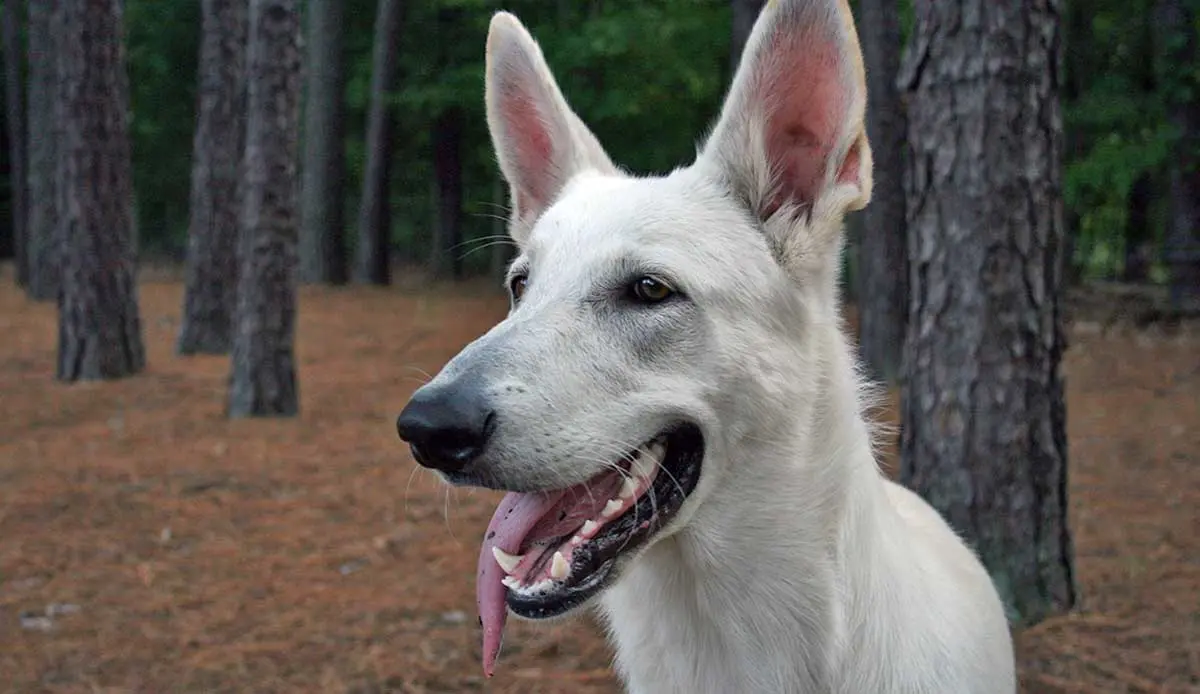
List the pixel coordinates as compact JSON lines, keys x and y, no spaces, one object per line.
{"x":594,"y":563}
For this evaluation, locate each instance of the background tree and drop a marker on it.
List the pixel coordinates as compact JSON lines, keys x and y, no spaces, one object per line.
{"x":882,"y":267}
{"x":99,"y":327}
{"x":15,"y":120}
{"x":263,"y":378}
{"x":1177,"y":35}
{"x":322,"y":237}
{"x":445,"y":260}
{"x":211,"y":273}
{"x":41,"y":250}
{"x":983,"y":430}
{"x":373,"y":264}
{"x":744,"y":14}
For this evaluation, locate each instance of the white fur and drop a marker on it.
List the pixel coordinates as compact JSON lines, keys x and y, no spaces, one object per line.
{"x":794,"y":566}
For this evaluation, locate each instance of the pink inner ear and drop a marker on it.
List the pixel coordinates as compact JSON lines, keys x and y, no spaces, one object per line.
{"x":531,"y":147}
{"x":803,"y":85}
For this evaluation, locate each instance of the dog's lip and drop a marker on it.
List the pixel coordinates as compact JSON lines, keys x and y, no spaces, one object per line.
{"x":594,"y":561}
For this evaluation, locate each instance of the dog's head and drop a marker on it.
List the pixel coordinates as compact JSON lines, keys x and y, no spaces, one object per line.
{"x":650,"y":316}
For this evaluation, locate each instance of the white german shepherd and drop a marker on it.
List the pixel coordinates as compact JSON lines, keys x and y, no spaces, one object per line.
{"x":674,"y":408}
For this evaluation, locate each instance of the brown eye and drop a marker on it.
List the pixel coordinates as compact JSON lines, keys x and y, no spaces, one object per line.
{"x":650,"y":290}
{"x":516,"y":287}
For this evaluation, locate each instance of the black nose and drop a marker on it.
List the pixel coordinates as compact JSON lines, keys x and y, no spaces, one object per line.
{"x":446,"y":427}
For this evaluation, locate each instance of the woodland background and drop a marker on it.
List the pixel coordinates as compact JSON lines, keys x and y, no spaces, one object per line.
{"x":211,"y":496}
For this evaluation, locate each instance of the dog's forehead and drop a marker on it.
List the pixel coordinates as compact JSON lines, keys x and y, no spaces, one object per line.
{"x":679,"y":221}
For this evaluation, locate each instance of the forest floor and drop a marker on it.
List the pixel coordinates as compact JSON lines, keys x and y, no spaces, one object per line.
{"x":147,"y":544}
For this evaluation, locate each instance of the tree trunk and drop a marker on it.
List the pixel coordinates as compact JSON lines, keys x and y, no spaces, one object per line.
{"x":983,"y":428}
{"x":322,"y":233}
{"x":99,"y":335}
{"x":1181,"y":250}
{"x":211,"y":274}
{"x":744,"y":14}
{"x":263,"y":378}
{"x":1138,"y":232}
{"x":374,"y":216}
{"x":41,"y":248}
{"x":882,"y":267}
{"x":446,"y":257}
{"x":14,"y":115}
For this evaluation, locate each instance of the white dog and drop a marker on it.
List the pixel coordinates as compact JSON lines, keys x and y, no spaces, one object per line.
{"x":674,"y":408}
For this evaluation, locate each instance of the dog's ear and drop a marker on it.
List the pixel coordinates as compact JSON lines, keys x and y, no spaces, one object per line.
{"x":791,"y":140}
{"x":539,"y":141}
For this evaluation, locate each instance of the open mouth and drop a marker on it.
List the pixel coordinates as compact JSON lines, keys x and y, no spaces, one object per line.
{"x":547,"y":553}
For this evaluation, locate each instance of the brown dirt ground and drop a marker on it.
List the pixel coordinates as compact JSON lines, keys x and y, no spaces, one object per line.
{"x":205,"y":555}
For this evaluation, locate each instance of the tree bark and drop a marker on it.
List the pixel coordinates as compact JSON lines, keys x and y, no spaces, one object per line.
{"x":15,"y":120}
{"x":211,"y":273}
{"x":983,"y":428}
{"x":41,"y":248}
{"x":99,"y":327}
{"x":882,"y":269}
{"x":446,"y":258}
{"x":1138,"y":231}
{"x":263,"y":378}
{"x":322,"y":233}
{"x":374,"y":216}
{"x":1181,"y":250}
{"x":744,"y":14}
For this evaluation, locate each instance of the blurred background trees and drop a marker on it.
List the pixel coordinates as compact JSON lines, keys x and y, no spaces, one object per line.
{"x":648,"y":76}
{"x":250,"y":141}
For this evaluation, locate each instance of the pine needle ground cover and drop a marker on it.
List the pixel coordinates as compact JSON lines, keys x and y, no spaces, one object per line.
{"x":148,"y":544}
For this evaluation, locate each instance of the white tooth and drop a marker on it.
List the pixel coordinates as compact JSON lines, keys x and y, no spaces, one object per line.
{"x":644,"y":464}
{"x":577,"y":540}
{"x":628,"y":488}
{"x":542,"y":586}
{"x":612,"y":508}
{"x":506,"y":561}
{"x":510,"y":582}
{"x":559,"y":568}
{"x":589,"y":528}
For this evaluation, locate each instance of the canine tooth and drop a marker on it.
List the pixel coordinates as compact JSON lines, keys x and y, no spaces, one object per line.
{"x":510,"y":582}
{"x":612,"y":508}
{"x":644,"y":464}
{"x":589,"y":528}
{"x":559,"y":568}
{"x":628,"y":488}
{"x":506,"y":561}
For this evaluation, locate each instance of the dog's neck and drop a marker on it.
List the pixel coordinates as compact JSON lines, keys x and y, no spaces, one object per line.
{"x":757,"y":576}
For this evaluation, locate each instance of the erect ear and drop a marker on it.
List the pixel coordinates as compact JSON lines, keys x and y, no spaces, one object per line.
{"x":539,"y":142}
{"x":791,"y":141}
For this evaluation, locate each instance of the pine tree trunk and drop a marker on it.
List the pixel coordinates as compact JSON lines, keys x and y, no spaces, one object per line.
{"x":446,"y":257}
{"x":15,"y":120}
{"x":211,"y":273}
{"x":322,"y":233}
{"x":744,"y":14}
{"x":41,"y":248}
{"x":99,"y":328}
{"x":1176,"y":21}
{"x":374,"y":216}
{"x":263,"y":378}
{"x":983,"y":428}
{"x":882,"y":269}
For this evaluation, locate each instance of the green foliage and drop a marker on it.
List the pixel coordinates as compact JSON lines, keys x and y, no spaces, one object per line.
{"x":1115,"y":118}
{"x":163,"y":44}
{"x":648,"y":76}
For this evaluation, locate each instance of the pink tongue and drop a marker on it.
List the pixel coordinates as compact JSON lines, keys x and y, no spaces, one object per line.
{"x":514,"y":518}
{"x":519,"y":519}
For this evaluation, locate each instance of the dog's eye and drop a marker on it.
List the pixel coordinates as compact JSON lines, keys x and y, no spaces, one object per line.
{"x":516,"y":286}
{"x":651,"y":290}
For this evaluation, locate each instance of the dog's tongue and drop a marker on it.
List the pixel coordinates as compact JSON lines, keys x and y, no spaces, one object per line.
{"x":514,"y":518}
{"x":521,"y":519}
